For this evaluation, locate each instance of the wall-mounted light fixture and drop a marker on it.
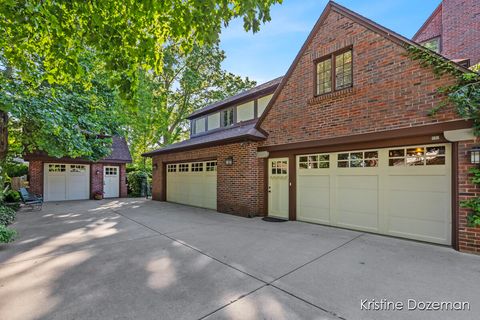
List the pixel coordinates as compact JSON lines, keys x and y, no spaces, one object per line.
{"x":97,"y":172}
{"x":155,"y":166}
{"x":229,"y":161}
{"x":475,"y":155}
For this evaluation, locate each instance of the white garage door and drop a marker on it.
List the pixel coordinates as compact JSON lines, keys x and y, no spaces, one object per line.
{"x":66,"y":181}
{"x":193,"y":184}
{"x":404,"y":191}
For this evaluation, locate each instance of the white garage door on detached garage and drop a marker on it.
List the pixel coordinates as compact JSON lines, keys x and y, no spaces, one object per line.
{"x":66,"y":181}
{"x":402,"y":191}
{"x":193,"y":184}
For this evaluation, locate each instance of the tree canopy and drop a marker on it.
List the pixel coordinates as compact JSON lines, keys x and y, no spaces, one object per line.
{"x":156,"y":115}
{"x":126,"y":35}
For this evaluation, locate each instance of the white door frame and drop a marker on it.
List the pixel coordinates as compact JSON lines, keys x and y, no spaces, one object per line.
{"x":278,"y":188}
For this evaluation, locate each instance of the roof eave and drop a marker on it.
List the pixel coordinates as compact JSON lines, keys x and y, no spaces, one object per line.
{"x":245,"y":137}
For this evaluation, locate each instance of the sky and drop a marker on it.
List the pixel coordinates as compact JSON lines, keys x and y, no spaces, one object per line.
{"x":268,"y":54}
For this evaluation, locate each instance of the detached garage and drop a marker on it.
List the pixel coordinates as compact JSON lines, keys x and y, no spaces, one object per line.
{"x":78,"y":179}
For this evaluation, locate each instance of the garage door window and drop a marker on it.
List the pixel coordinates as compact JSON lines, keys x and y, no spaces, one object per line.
{"x":56,"y":168}
{"x":183,"y":167}
{"x":172,"y":168}
{"x":316,"y":161}
{"x":211,"y":166}
{"x":279,"y":167}
{"x":361,"y":159}
{"x":417,"y":156}
{"x":111,"y":171}
{"x":197,"y":167}
{"x":76,"y":168}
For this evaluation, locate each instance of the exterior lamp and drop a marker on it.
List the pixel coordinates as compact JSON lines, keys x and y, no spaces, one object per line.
{"x":475,"y":155}
{"x":229,"y":161}
{"x":155,"y":166}
{"x":97,"y":172}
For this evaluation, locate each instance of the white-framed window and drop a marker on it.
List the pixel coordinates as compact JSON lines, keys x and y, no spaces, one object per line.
{"x":314,"y":161}
{"x":56,"y":168}
{"x":199,"y":125}
{"x":78,"y":168}
{"x":358,"y":159}
{"x":197,"y":167}
{"x":211,"y":166}
{"x":111,"y":171}
{"x":183,"y":167}
{"x":213,"y":121}
{"x":279,"y":167}
{"x":171,"y":168}
{"x":246,"y":111}
{"x":416,"y":156}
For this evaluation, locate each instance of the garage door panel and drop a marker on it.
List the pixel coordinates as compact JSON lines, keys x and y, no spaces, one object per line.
{"x":389,"y":198}
{"x":194,"y":188}
{"x":56,"y":188}
{"x":429,"y":183}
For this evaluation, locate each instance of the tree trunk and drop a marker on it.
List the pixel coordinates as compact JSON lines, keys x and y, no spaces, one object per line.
{"x":3,"y":134}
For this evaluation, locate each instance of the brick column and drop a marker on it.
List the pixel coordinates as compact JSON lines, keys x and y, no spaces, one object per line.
{"x":35,"y":175}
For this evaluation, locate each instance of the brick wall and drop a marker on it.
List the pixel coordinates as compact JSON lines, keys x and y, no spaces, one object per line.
{"x":432,"y":29}
{"x":458,"y":23}
{"x":96,"y":178}
{"x":469,"y":238}
{"x":35,"y":175}
{"x":461,"y":29}
{"x":123,"y":180}
{"x":390,"y":91}
{"x":239,"y":188}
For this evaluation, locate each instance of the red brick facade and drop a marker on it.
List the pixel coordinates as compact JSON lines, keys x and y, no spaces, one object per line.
{"x":35,"y":172}
{"x":391,"y":93}
{"x":239,"y":187}
{"x":458,"y":25}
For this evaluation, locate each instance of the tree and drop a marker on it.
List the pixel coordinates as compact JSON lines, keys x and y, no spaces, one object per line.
{"x":157,"y":113}
{"x":127,"y":35}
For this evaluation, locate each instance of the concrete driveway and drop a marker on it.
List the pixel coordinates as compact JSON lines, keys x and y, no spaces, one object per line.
{"x":140,"y":259}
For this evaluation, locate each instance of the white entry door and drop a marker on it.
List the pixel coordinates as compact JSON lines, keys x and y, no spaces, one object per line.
{"x":399,"y":191}
{"x":66,"y":181}
{"x":278,"y":188}
{"x":111,"y":181}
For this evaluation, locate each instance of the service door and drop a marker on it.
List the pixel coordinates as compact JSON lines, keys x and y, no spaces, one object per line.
{"x":401,"y":191}
{"x":66,"y":181}
{"x":193,"y":183}
{"x":111,"y":181}
{"x":278,"y":187}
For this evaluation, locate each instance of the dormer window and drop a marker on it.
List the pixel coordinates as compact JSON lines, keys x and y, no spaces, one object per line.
{"x":198,"y":125}
{"x":227,"y":117}
{"x":432,"y":44}
{"x":334,"y":72}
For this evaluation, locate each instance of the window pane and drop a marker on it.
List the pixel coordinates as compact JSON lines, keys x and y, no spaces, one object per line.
{"x":343,"y":156}
{"x":343,"y":164}
{"x":371,"y":154}
{"x":214,"y":121}
{"x":303,"y":159}
{"x":435,"y":150}
{"x":343,"y":70}
{"x":324,"y":157}
{"x":415,"y":151}
{"x":396,"y":153}
{"x":370,"y":163}
{"x":435,"y":160}
{"x":356,"y":155}
{"x":245,"y":111}
{"x":356,"y":163}
{"x":324,"y":76}
{"x":324,"y":165}
{"x":396,"y":162}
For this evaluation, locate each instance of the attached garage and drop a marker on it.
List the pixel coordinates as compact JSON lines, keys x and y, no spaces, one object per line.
{"x":66,"y":181}
{"x":193,"y":183}
{"x":401,"y":191}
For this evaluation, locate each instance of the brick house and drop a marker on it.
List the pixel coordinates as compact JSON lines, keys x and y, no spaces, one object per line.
{"x":59,"y":179}
{"x":453,"y":30}
{"x":343,"y":139}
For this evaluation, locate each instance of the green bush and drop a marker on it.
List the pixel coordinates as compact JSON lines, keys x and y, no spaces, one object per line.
{"x":7,"y":215}
{"x":11,"y":196}
{"x":13,"y":169}
{"x":7,"y":235}
{"x":135,"y":180}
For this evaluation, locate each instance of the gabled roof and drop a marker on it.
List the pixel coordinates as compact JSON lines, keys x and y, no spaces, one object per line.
{"x":120,"y":154}
{"x":367,"y":23}
{"x":258,"y":91}
{"x":234,"y":134}
{"x":427,"y":22}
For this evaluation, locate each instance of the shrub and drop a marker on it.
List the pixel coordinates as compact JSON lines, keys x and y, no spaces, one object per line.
{"x":11,"y":196}
{"x":7,"y":235}
{"x":136,"y":179}
{"x":7,"y":215}
{"x":16,"y":169}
